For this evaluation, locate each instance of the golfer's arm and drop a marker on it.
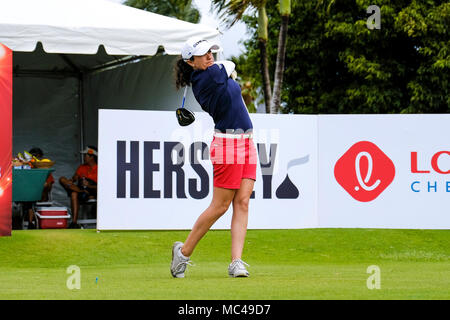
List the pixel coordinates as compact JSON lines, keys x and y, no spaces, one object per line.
{"x":228,"y":65}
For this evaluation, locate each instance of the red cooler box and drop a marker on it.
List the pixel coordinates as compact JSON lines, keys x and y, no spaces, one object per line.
{"x":52,"y":217}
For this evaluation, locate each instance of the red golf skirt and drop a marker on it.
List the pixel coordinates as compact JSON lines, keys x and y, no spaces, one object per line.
{"x":234,"y":158}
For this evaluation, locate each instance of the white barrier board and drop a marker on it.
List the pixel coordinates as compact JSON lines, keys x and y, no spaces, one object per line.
{"x":368,"y":171}
{"x":146,"y":181}
{"x":384,"y":171}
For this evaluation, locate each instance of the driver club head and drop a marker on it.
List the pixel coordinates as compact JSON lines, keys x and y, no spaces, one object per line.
{"x":184,"y":116}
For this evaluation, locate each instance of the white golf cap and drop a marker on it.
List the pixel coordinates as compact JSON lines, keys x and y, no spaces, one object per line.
{"x":196,"y":46}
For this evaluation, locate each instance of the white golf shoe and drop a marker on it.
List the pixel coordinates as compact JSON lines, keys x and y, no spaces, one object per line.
{"x":237,"y":269}
{"x":179,"y":262}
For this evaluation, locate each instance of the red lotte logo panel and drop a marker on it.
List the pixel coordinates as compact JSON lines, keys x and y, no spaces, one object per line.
{"x":364,"y":171}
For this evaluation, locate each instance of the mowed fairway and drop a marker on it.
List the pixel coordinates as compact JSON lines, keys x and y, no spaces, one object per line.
{"x":284,"y":264}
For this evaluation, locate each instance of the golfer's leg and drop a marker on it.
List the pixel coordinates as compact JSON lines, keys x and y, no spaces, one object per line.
{"x":240,"y":218}
{"x":219,"y":205}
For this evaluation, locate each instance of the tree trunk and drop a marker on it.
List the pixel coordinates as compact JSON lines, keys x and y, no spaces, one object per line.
{"x":279,"y":67}
{"x":265,"y":74}
{"x":263,"y":36}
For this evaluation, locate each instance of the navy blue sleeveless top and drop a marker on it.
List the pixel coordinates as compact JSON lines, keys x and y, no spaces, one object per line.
{"x":221,"y":97}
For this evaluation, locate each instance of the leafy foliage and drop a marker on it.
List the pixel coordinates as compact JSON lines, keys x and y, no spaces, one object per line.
{"x":336,"y":64}
{"x":179,"y":9}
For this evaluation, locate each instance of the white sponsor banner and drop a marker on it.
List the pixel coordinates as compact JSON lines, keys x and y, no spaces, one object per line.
{"x":371,"y":171}
{"x":384,"y":171}
{"x":154,"y":174}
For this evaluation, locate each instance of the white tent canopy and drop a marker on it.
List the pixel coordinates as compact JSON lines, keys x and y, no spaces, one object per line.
{"x":72,"y":57}
{"x":80,"y":26}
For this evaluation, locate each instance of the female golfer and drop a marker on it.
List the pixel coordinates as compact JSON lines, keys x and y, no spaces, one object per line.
{"x":233,"y":153}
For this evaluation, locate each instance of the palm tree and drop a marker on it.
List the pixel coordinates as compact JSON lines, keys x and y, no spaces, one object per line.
{"x":179,"y":9}
{"x":285,"y":11}
{"x":232,"y":11}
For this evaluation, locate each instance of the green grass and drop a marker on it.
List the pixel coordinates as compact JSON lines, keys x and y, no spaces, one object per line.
{"x":285,"y":264}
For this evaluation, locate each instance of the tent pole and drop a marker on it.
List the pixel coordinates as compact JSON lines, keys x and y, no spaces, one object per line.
{"x":116,"y":63}
{"x":81,"y":112}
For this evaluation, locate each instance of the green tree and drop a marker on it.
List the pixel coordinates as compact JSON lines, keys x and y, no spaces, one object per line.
{"x":179,"y":9}
{"x":285,"y":11}
{"x":336,"y":64}
{"x":232,"y":11}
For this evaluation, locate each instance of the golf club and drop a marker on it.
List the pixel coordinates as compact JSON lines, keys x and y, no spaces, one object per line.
{"x":184,"y":116}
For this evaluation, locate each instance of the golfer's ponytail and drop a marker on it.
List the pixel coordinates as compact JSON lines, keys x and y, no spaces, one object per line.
{"x":183,"y":73}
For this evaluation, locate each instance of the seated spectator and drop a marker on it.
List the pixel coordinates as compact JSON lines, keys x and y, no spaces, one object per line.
{"x":83,"y":185}
{"x":39,"y":154}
